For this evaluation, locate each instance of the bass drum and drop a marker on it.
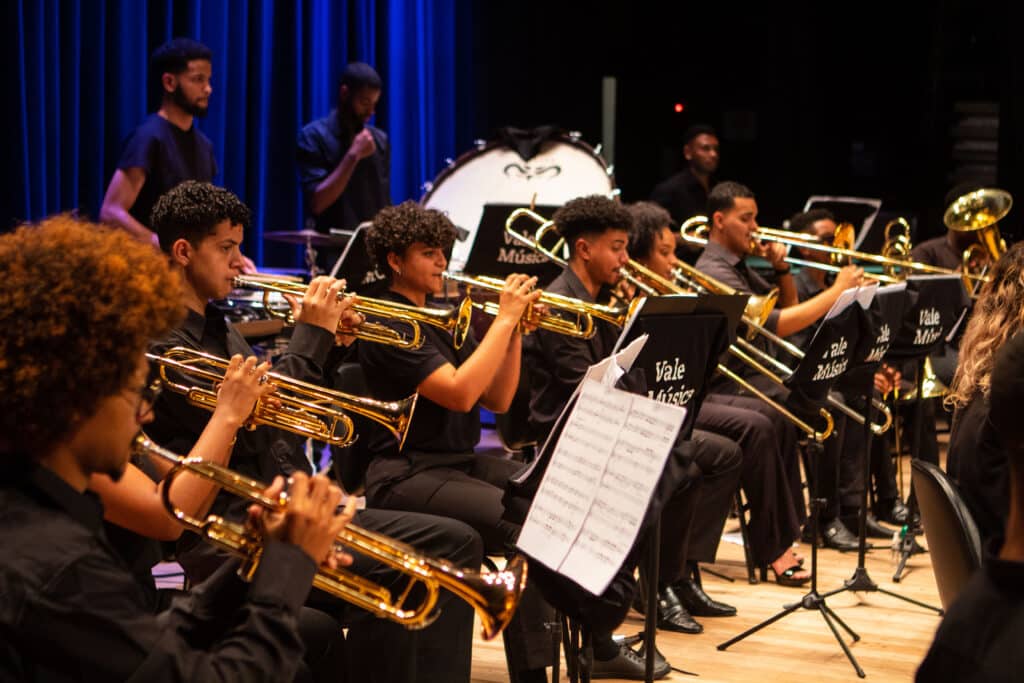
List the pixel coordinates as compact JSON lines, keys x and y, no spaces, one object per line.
{"x":495,"y":174}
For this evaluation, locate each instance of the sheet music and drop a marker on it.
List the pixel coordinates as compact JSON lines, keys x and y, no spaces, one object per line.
{"x":591,"y":502}
{"x":847,"y":297}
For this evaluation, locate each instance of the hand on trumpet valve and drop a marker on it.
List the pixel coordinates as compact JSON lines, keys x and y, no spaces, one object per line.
{"x":310,"y":520}
{"x":517,"y":294}
{"x":350,"y":320}
{"x":245,"y":384}
{"x":321,"y":305}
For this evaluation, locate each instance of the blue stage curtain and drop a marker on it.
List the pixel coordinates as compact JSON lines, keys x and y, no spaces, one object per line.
{"x":82,"y":70}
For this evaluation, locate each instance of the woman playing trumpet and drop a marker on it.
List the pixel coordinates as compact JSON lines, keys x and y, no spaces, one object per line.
{"x":437,"y":471}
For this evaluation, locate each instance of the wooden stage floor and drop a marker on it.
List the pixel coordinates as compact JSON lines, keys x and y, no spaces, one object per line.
{"x":895,"y":635}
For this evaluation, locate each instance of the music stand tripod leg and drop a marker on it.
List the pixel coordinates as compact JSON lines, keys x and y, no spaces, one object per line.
{"x":861,"y":581}
{"x":811,"y":600}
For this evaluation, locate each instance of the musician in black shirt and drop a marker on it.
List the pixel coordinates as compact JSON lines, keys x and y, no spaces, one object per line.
{"x":685,"y":194}
{"x":201,"y":228}
{"x":73,"y":394}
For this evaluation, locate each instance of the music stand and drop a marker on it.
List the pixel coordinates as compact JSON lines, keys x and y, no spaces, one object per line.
{"x":495,"y":253}
{"x":830,"y":352}
{"x":886,"y":313}
{"x":356,"y":266}
{"x":685,"y":333}
{"x":935,"y":310}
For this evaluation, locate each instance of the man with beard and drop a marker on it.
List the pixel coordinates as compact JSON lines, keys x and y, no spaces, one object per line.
{"x":167,"y":148}
{"x":344,"y":162}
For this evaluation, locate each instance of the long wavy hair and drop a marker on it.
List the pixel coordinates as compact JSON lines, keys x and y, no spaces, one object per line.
{"x":998,"y":314}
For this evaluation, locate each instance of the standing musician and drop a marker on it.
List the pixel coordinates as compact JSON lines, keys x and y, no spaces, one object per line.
{"x":437,"y":471}
{"x":201,"y":228}
{"x":596,"y":230}
{"x":85,"y":301}
{"x":774,"y":520}
{"x":732,"y":216}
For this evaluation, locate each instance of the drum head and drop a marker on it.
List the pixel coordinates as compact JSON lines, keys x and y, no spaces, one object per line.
{"x":495,"y":174}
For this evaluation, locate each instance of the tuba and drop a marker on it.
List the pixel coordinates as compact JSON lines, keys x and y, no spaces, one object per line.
{"x":305,"y":409}
{"x":493,"y":595}
{"x":979,"y":212}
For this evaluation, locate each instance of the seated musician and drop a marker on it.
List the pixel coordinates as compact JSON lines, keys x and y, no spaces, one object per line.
{"x":774,"y":521}
{"x":596,"y":230}
{"x":85,"y":301}
{"x":979,"y":638}
{"x":201,"y":227}
{"x":977,"y":457}
{"x":732,"y":216}
{"x":437,"y":471}
{"x":843,"y":487}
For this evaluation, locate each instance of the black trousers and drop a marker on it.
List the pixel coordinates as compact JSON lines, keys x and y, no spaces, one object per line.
{"x":785,"y":431}
{"x":721,"y":463}
{"x":473,"y":495}
{"x":774,"y":521}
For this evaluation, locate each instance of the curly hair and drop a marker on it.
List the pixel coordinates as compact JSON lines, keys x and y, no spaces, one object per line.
{"x":648,"y":221}
{"x":395,"y":228}
{"x":591,"y":215}
{"x":998,"y":314}
{"x":191,"y":210}
{"x":78,"y":304}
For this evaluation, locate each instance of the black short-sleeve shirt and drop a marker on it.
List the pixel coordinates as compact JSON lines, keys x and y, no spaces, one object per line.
{"x":437,"y":437}
{"x":168,"y":155}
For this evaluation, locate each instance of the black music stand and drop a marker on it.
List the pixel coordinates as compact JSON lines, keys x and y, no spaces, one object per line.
{"x":886,"y":313}
{"x":356,"y":266}
{"x":495,"y":253}
{"x":685,"y":333}
{"x":935,"y":310}
{"x":830,"y":352}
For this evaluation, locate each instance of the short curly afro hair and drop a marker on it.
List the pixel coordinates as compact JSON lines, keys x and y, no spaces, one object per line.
{"x":395,"y":228}
{"x":591,"y":216}
{"x":191,"y":210}
{"x":78,"y":303}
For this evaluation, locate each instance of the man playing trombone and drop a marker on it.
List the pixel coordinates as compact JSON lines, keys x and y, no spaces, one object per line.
{"x":86,"y":300}
{"x":201,"y":227}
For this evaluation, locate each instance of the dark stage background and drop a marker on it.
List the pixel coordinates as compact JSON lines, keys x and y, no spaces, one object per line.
{"x":888,"y":100}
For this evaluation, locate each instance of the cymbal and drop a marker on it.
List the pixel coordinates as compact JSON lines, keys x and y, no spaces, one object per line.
{"x":311,"y":237}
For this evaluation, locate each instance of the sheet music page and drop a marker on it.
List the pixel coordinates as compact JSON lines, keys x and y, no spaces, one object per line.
{"x":866,"y":294}
{"x":589,"y":507}
{"x":842,"y":303}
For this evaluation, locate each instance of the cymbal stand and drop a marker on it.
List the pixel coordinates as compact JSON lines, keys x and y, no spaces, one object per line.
{"x":813,"y":600}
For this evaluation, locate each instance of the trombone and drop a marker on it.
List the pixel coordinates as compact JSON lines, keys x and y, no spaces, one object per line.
{"x":493,"y":595}
{"x":694,"y":229}
{"x":578,"y":323}
{"x":456,"y":320}
{"x":302,"y":408}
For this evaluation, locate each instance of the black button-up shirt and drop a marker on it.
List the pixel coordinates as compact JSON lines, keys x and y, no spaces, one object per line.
{"x":321,"y":146}
{"x":70,"y":610}
{"x":558,"y":362}
{"x":937,"y":252}
{"x":682,"y":195}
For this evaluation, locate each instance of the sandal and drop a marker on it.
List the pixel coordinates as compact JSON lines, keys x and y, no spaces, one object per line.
{"x":788,"y":577}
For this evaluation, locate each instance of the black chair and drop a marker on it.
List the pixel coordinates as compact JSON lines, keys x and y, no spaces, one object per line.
{"x":953,"y":539}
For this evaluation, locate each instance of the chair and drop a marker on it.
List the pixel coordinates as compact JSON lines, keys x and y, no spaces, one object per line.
{"x":953,"y":539}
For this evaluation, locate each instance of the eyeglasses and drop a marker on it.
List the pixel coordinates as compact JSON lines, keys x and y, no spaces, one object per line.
{"x":147,"y":397}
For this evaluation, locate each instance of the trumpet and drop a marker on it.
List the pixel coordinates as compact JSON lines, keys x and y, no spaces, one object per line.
{"x":578,"y":323}
{"x":303,"y":408}
{"x":456,"y":320}
{"x":493,"y":595}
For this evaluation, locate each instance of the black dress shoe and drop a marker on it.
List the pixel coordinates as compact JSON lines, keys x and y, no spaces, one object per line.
{"x":835,"y":535}
{"x":630,"y":665}
{"x":875,"y":528}
{"x":672,"y":616}
{"x":894,"y":512}
{"x":698,"y":603}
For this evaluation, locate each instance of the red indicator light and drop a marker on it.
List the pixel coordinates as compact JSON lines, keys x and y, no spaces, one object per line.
{"x":679,"y":107}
